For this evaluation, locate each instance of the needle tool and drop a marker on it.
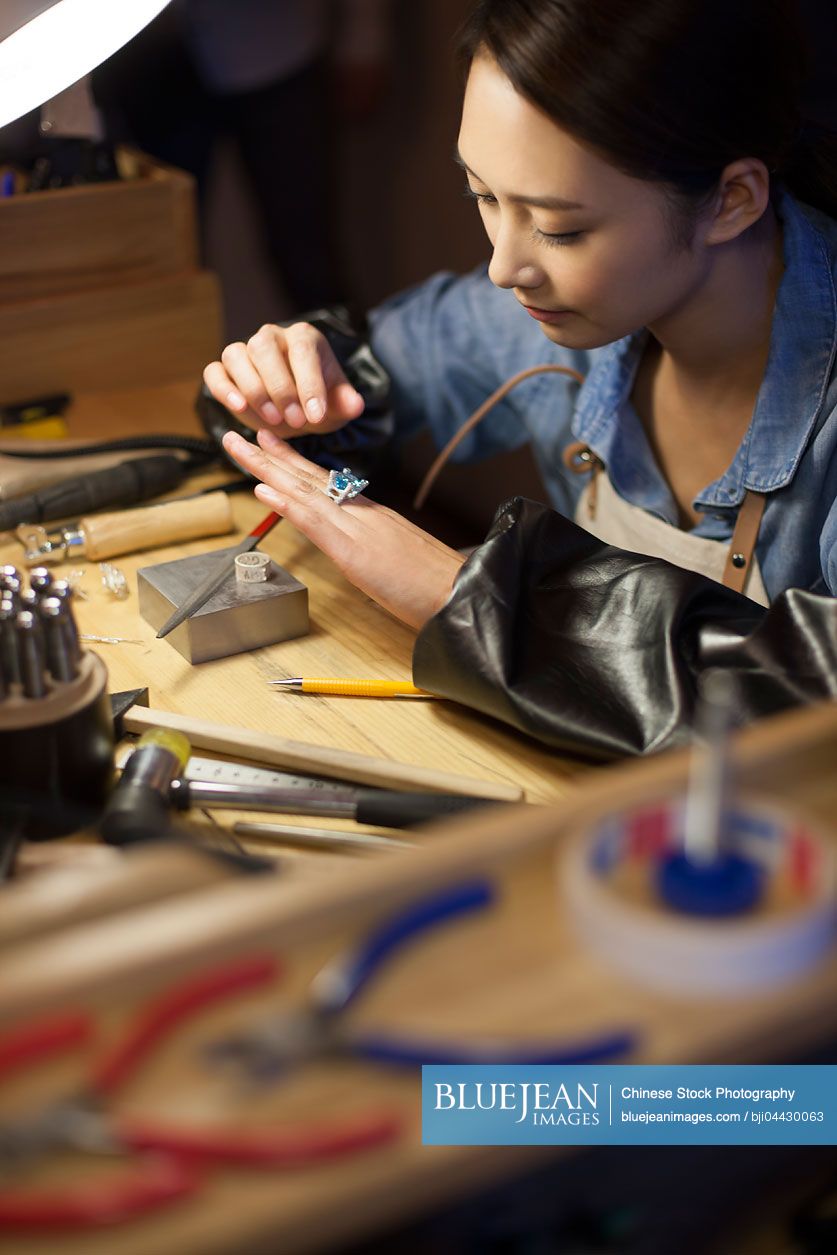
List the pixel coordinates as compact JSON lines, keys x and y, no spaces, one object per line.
{"x":709,"y":784}
{"x":219,"y":574}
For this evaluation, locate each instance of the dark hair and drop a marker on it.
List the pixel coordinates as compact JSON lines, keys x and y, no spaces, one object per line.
{"x":667,"y":90}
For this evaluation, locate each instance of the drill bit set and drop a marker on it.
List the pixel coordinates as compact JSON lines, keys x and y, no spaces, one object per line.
{"x":56,"y":731}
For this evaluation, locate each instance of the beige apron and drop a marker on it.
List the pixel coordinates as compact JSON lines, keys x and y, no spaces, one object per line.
{"x":609,"y":517}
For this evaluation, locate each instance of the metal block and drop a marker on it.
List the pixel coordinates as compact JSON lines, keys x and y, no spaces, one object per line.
{"x":237,"y":617}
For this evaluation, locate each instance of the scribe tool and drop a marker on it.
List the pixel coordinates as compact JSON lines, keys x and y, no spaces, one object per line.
{"x":219,"y":574}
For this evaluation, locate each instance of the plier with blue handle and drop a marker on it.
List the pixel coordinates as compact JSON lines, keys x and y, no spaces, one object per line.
{"x":318,"y":1029}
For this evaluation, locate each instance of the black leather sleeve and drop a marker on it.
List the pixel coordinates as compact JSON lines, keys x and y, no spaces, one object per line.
{"x":597,"y":651}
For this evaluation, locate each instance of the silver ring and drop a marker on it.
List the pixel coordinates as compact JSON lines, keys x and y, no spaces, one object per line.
{"x":343,"y":485}
{"x":251,"y":567}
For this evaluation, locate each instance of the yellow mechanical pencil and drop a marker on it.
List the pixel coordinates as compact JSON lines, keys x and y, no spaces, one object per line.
{"x":352,"y":688}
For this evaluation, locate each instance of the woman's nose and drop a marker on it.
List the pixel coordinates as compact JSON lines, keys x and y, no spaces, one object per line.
{"x":511,"y":265}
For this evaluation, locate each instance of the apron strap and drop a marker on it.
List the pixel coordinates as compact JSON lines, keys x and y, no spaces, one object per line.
{"x":581,"y":460}
{"x":743,"y":543}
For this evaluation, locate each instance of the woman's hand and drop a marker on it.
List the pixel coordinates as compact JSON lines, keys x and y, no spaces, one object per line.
{"x":404,"y":569}
{"x":287,"y":377}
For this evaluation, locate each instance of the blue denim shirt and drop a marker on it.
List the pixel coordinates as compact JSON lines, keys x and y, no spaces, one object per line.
{"x":449,"y":342}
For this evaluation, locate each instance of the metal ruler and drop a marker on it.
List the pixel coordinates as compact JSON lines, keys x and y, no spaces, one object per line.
{"x":222,"y":771}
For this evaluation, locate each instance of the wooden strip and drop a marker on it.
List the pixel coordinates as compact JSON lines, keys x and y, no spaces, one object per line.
{"x":75,"y":892}
{"x":277,"y":751}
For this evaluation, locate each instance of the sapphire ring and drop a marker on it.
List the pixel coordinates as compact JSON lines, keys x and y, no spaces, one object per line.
{"x":343,"y":485}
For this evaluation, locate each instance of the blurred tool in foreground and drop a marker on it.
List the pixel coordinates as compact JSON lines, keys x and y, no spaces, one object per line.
{"x":318,"y":1028}
{"x":709,"y":876}
{"x":710,"y":893}
{"x":164,"y":1162}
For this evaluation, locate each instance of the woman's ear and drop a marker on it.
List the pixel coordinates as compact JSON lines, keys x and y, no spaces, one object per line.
{"x":741,"y":198}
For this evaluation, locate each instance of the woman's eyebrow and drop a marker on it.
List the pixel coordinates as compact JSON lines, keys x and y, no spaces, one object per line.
{"x":539,"y":202}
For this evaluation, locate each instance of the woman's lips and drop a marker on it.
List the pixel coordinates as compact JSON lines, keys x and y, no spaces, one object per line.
{"x":548,"y":315}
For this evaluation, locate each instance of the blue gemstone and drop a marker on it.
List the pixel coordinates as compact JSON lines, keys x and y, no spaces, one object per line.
{"x":340,"y":482}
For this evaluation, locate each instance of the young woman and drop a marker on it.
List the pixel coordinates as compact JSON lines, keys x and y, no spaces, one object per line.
{"x":636,"y":164}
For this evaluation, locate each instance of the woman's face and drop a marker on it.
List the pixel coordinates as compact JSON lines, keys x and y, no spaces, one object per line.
{"x":589,"y":249}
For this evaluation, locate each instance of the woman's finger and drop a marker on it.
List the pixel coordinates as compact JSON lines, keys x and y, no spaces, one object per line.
{"x":267,"y":350}
{"x":310,"y":358}
{"x":292,"y":474}
{"x":346,"y":401}
{"x":223,"y":388}
{"x":248,"y":381}
{"x":281,"y":452}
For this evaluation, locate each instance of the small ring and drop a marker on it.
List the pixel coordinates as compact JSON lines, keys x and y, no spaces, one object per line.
{"x":251,"y":567}
{"x":343,"y":485}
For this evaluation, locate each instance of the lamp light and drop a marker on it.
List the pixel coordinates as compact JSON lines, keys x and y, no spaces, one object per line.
{"x":47,"y":45}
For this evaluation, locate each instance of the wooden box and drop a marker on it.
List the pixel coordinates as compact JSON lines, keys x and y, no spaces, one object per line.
{"x":100,"y":287}
{"x":98,"y":235}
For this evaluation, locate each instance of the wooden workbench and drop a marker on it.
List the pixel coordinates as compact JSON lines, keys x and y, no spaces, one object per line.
{"x":349,"y":636}
{"x":520,"y":970}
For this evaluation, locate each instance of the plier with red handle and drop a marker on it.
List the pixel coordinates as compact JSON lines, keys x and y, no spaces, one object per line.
{"x":166,"y":1163}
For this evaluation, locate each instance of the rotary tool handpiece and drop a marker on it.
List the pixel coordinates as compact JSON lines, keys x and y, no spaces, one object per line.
{"x":121,"y":485}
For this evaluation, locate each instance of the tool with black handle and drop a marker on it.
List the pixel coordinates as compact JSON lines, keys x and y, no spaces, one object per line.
{"x":121,"y":485}
{"x":386,"y":808}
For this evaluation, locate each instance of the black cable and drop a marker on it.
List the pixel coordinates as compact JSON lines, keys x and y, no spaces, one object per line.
{"x":234,"y":485}
{"x":205,"y":449}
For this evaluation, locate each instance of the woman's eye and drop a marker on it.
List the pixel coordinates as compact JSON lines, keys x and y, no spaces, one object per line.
{"x":549,"y":238}
{"x":559,"y":237}
{"x":482,"y":198}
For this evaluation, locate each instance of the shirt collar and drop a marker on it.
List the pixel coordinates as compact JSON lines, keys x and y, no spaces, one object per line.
{"x":799,"y":365}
